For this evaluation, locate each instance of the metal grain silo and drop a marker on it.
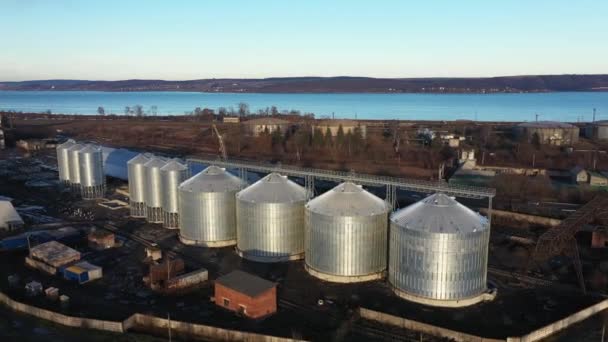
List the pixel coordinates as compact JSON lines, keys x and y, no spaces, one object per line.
{"x":92,"y":176}
{"x":153,"y":190}
{"x":63,"y":161}
{"x":137,"y":185}
{"x":74,"y":166}
{"x":172,"y":175}
{"x":270,"y":220}
{"x":346,"y":235}
{"x":207,"y":207}
{"x":438,"y":253}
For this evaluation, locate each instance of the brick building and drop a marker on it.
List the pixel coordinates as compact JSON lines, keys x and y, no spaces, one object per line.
{"x":246,"y":294}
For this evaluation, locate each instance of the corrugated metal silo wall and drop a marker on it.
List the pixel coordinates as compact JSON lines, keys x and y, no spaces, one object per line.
{"x":63,"y":163}
{"x":170,"y":182}
{"x":153,"y":188}
{"x":74,"y":160}
{"x":438,"y":266}
{"x":346,"y":246}
{"x":208,"y":216}
{"x":270,"y":230}
{"x":137,"y":182}
{"x":91,"y":169}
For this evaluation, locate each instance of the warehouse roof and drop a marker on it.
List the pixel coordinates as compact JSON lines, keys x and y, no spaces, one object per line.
{"x":245,"y":283}
{"x":55,"y":253}
{"x":546,"y":124}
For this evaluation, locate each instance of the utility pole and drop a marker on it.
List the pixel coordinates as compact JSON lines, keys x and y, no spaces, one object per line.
{"x":537,"y":115}
{"x":594,"y":111}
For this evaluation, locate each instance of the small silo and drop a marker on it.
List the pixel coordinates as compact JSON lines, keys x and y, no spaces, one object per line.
{"x":153,"y":190}
{"x":137,"y":185}
{"x":270,"y":220}
{"x":172,"y":175}
{"x":207,"y":207}
{"x":346,"y":235}
{"x":74,"y":166}
{"x":92,"y":176}
{"x":63,"y":161}
{"x":438,"y":253}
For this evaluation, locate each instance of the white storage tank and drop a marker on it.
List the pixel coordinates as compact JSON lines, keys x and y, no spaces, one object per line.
{"x":172,"y":174}
{"x":153,"y":190}
{"x":137,"y":185}
{"x":438,"y":253}
{"x":92,"y":176}
{"x":270,"y":220}
{"x":207,"y":207}
{"x":74,"y":163}
{"x":346,"y":235}
{"x":63,"y":161}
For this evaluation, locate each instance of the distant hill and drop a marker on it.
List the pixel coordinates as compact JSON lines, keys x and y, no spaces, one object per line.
{"x":509,"y":84}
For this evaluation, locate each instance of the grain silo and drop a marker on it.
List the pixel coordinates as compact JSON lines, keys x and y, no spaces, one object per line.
{"x":346,"y":235}
{"x":74,"y":169}
{"x":153,"y":190}
{"x":270,"y":220}
{"x":438,"y":253}
{"x":92,"y":176}
{"x":597,"y":130}
{"x":63,"y":161}
{"x":137,"y":185}
{"x":207,"y":207}
{"x":172,"y":175}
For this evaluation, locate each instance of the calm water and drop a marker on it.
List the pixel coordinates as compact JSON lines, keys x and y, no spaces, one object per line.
{"x":489,"y":107}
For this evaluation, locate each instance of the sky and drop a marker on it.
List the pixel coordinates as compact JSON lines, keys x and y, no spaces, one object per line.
{"x":177,"y":40}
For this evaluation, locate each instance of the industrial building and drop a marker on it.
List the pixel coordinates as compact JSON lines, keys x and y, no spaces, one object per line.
{"x":172,"y":175}
{"x":270,"y":220}
{"x":348,"y":126}
{"x":438,"y":253}
{"x":207,"y":206}
{"x":137,"y":185}
{"x":50,"y":256}
{"x":92,"y":176}
{"x":346,"y":235}
{"x":256,"y":127}
{"x":597,"y":130}
{"x":153,"y":190}
{"x":82,"y":272}
{"x":74,"y":166}
{"x":246,"y":294}
{"x":100,"y":239}
{"x":63,"y":161}
{"x":548,"y":132}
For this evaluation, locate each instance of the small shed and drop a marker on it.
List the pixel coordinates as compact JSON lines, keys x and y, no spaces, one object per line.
{"x":579,"y":175}
{"x":9,"y":217}
{"x":82,"y":272}
{"x":100,"y":239}
{"x":246,"y":294}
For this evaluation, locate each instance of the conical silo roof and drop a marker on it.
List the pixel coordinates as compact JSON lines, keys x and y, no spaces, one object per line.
{"x":348,"y":199}
{"x":89,"y":149}
{"x":155,"y":162}
{"x":274,"y":188}
{"x":139,"y":159}
{"x":174,"y":165}
{"x":212,"y":179}
{"x":67,"y":144}
{"x":441,"y":214}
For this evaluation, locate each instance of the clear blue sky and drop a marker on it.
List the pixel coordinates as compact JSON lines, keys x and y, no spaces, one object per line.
{"x":85,"y":39}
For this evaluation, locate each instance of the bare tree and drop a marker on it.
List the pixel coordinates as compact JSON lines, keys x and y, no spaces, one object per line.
{"x":153,"y":110}
{"x":138,"y":110}
{"x":101,"y":110}
{"x":243,"y":109}
{"x":127,"y":110}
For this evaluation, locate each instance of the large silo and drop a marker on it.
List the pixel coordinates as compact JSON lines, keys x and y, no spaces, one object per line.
{"x":153,"y":190}
{"x":92,"y":176}
{"x":63,"y":161}
{"x":74,"y":166}
{"x":346,"y":235}
{"x":270,"y":220}
{"x":172,"y":175}
{"x":207,"y":207}
{"x":137,"y":185}
{"x":438,"y":253}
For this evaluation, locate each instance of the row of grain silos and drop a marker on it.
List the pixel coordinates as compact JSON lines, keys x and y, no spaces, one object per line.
{"x":80,"y":167}
{"x":435,"y":250}
{"x":153,"y":188}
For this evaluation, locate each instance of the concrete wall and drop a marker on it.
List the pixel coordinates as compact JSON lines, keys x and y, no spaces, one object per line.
{"x":76,"y":322}
{"x":143,"y":323}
